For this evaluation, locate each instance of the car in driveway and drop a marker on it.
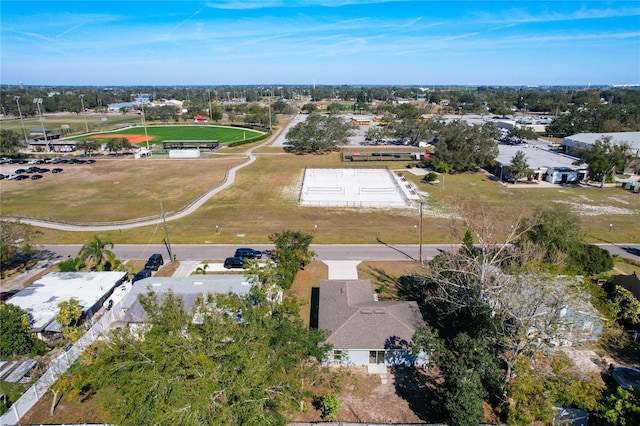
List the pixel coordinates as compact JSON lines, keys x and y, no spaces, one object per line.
{"x":144,"y":273}
{"x":248,"y":253}
{"x":234,"y":262}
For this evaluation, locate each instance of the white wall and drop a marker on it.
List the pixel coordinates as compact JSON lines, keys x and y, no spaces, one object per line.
{"x":184,"y":153}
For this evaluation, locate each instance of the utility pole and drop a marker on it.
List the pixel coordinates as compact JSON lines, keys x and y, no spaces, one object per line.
{"x":167,"y":243}
{"x":420,"y":236}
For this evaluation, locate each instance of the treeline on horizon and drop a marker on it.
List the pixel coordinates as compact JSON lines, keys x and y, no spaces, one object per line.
{"x":576,"y":109}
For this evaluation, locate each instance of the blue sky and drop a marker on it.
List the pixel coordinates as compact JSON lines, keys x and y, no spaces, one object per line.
{"x":359,"y":42}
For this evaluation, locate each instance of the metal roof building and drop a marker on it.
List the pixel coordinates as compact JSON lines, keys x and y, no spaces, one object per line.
{"x":40,"y":300}
{"x":586,"y":140}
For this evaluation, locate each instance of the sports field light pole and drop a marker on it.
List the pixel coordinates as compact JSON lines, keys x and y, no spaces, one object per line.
{"x":144,"y":124}
{"x":38,"y":102}
{"x":86,"y":126}
{"x":24,"y":132}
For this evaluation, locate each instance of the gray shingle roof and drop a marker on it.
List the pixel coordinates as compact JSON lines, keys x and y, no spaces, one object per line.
{"x":356,"y":320}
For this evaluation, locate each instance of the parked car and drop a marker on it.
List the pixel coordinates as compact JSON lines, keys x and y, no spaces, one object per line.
{"x":234,"y":262}
{"x":21,"y":177}
{"x":248,"y":253}
{"x":36,"y":177}
{"x":56,"y":170}
{"x":155,"y":262}
{"x":20,"y":171}
{"x":145,"y":273}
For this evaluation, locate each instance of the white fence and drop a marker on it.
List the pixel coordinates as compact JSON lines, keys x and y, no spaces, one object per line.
{"x":58,"y":367}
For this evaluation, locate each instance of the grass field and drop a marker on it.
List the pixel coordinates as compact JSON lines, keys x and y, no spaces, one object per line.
{"x":263,"y":200}
{"x":158,"y":134}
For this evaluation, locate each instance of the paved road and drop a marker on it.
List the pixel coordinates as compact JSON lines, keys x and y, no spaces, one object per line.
{"x":199,"y":252}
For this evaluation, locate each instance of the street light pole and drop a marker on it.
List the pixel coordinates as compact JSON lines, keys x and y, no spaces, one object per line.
{"x":144,"y":124}
{"x":38,"y":102}
{"x":86,"y":126}
{"x":24,"y":132}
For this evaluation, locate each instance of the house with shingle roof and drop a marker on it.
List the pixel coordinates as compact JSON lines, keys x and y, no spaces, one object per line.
{"x":364,"y":331}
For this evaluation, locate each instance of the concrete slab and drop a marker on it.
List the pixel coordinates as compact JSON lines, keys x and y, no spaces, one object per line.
{"x":370,"y":188}
{"x":377,"y":369}
{"x":343,"y":269}
{"x":186,"y":268}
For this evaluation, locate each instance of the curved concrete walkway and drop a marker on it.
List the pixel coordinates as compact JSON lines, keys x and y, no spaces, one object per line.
{"x":230,"y":178}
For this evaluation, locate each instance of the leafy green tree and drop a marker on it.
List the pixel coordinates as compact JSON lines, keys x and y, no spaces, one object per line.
{"x":319,"y":134}
{"x":232,"y":360}
{"x":17,"y":243}
{"x":215,"y":114}
{"x":469,"y":369}
{"x":69,"y":312}
{"x":96,"y":253}
{"x":87,"y":146}
{"x":73,"y":264}
{"x":292,"y":253}
{"x":556,"y":231}
{"x":309,"y":108}
{"x":519,"y":168}
{"x":16,"y":337}
{"x":604,"y":158}
{"x":626,"y":306}
{"x":10,"y":142}
{"x":465,"y":147}
{"x":334,"y":108}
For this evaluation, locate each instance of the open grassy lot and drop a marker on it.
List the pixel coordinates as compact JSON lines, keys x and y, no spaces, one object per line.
{"x":263,"y":200}
{"x":113,"y":189}
{"x":158,"y":134}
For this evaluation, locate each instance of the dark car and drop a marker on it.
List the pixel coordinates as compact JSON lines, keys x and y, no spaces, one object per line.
{"x":234,"y":262}
{"x":56,"y":170}
{"x":36,"y":177}
{"x":248,"y":253}
{"x":155,"y":262}
{"x":19,"y":171}
{"x":141,"y":275}
{"x":21,"y":177}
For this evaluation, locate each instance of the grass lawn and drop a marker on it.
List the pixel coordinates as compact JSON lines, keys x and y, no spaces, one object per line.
{"x":158,"y":134}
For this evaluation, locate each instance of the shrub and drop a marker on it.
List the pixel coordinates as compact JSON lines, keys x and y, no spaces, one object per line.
{"x":329,"y":406}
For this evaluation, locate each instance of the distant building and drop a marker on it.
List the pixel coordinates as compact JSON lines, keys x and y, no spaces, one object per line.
{"x":587,"y":140}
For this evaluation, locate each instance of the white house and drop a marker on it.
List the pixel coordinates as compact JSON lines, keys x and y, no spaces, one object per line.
{"x":564,"y":175}
{"x":40,"y":300}
{"x":364,"y":331}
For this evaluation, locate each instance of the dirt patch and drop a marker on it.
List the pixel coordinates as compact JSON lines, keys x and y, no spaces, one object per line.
{"x":364,"y":398}
{"x":131,"y":138}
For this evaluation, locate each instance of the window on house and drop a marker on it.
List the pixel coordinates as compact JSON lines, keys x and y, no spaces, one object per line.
{"x":376,"y":357}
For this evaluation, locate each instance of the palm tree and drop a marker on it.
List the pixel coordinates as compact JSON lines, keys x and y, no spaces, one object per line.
{"x":95,"y":252}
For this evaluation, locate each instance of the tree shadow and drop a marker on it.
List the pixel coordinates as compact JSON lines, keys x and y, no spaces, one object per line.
{"x":417,"y":387}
